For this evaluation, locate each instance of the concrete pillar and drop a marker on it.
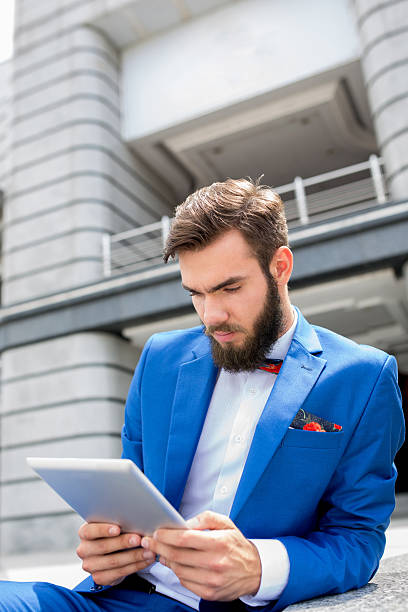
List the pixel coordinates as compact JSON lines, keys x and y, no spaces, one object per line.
{"x":383,"y":28}
{"x":5,"y":121}
{"x":69,"y":179}
{"x":60,"y":398}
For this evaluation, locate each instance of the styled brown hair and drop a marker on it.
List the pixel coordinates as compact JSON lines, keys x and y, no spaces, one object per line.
{"x":253,"y":209}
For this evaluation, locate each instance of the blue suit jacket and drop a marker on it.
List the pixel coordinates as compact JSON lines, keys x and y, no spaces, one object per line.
{"x":327,"y":496}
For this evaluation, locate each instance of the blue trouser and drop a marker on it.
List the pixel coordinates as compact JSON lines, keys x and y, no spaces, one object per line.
{"x":46,"y":597}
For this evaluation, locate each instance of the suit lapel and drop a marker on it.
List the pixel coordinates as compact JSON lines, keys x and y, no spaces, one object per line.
{"x":300,"y":371}
{"x":192,"y":396}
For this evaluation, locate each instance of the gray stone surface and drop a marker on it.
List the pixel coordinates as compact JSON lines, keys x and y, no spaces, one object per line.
{"x":387,"y":591}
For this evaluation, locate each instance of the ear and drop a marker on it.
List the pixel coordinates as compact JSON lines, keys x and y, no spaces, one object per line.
{"x":281,"y":265}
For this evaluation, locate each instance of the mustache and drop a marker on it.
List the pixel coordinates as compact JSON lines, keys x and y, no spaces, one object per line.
{"x":211,"y":329}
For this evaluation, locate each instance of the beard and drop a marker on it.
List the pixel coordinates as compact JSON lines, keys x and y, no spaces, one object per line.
{"x":252,"y":353}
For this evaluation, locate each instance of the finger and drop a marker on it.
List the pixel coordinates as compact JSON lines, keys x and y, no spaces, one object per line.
{"x":204,"y":591}
{"x":105,"y":577}
{"x":195,"y":576}
{"x":210,"y":520}
{"x":104,"y":546}
{"x":209,"y":585}
{"x":207,"y":520}
{"x":176,"y":558}
{"x":115,"y":560}
{"x":93,"y":531}
{"x":186,"y":538}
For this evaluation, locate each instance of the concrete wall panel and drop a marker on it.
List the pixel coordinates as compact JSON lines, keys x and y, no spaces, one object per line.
{"x":48,"y":533}
{"x":63,"y":397}
{"x":15,"y":467}
{"x":56,"y":100}
{"x":241,"y":51}
{"x":69,"y":419}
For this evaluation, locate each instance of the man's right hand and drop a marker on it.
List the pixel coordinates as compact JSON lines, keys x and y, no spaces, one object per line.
{"x":109,"y":555}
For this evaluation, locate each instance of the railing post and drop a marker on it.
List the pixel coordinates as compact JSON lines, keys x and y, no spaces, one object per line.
{"x":301,"y":200}
{"x":165,"y":221}
{"x":106,"y":254}
{"x":376,"y":175}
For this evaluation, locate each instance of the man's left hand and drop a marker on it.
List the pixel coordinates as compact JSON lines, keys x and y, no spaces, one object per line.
{"x":212,"y":557}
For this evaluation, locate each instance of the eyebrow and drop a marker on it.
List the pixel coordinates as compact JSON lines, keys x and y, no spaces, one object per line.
{"x":229,"y":281}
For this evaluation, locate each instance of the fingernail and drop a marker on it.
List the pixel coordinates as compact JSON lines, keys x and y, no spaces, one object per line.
{"x":114,"y":530}
{"x":147,"y":554}
{"x":145,"y":543}
{"x":194,"y":522}
{"x":133,"y":541}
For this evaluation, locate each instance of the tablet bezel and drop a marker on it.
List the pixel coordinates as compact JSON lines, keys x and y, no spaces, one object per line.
{"x":87,"y":486}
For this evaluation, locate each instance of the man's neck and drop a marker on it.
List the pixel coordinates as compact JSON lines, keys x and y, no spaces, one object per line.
{"x":287,"y":318}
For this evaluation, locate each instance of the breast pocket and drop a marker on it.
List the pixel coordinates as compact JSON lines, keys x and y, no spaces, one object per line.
{"x":313,"y":439}
{"x":296,"y":479}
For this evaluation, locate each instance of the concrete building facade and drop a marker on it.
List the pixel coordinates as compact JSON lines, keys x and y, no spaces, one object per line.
{"x":114,"y":110}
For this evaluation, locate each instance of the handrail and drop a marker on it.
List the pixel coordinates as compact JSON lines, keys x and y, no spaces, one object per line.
{"x":140,"y":248}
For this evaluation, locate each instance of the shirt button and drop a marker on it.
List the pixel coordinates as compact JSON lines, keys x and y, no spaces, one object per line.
{"x":252,"y":391}
{"x":238,"y":439}
{"x":224,"y":490}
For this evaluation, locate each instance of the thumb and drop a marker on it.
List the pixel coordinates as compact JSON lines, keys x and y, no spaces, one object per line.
{"x":210,"y":520}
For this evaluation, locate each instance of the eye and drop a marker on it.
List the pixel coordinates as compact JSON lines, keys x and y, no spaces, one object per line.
{"x":231,"y":289}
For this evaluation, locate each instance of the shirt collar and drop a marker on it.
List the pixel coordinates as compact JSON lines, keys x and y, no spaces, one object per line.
{"x":281,"y":346}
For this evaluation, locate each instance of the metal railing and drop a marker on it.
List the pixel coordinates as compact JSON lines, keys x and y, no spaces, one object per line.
{"x":307,"y":200}
{"x":334,"y":193}
{"x":134,"y":249}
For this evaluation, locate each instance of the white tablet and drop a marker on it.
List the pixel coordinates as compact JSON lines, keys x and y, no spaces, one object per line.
{"x":109,"y":491}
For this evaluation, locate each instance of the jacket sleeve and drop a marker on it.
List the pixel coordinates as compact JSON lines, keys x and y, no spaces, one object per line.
{"x":345,"y":549}
{"x":131,"y":441}
{"x":132,"y":427}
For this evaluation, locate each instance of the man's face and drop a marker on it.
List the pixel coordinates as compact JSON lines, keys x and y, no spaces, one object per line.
{"x":238,"y":305}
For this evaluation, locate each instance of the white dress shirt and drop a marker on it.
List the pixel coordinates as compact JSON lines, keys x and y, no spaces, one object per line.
{"x":237,"y":403}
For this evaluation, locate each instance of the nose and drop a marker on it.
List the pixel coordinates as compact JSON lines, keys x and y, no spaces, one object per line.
{"x":213,"y":313}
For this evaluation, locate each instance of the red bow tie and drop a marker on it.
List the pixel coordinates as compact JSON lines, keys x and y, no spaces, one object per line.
{"x":271,"y":365}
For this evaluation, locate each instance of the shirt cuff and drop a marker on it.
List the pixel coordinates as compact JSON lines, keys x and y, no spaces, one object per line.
{"x":275,"y":572}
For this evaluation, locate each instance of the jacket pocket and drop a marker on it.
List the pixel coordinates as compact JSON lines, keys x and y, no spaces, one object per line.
{"x":312,"y":439}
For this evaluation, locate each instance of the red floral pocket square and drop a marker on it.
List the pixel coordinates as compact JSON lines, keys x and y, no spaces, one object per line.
{"x":311,"y":422}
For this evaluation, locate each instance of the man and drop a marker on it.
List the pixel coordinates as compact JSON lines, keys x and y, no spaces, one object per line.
{"x":275,"y":438}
